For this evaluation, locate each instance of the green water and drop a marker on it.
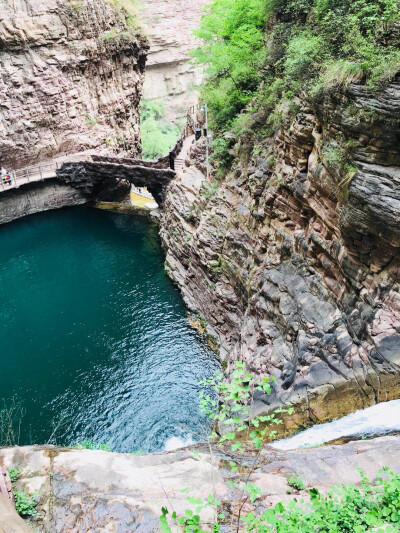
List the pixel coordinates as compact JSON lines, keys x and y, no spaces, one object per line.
{"x":94,"y":339}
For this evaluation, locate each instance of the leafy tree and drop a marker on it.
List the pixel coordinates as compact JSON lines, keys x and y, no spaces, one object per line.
{"x":233,"y":52}
{"x":260,"y":53}
{"x":158,"y":134}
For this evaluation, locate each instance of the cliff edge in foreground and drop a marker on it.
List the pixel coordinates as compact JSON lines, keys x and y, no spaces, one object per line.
{"x":86,"y":491}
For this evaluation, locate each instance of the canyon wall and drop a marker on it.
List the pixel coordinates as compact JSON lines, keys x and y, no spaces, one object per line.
{"x":71,"y":75}
{"x":37,"y":197}
{"x":169,"y":73}
{"x":296,"y":269}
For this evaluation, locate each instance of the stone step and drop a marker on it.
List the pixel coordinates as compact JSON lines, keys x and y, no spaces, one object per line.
{"x":179,"y":164}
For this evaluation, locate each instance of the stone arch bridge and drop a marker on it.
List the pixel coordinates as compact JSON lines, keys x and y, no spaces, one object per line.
{"x":109,"y":179}
{"x":97,"y":177}
{"x":103,"y":178}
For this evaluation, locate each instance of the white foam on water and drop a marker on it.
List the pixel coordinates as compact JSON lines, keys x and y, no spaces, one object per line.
{"x":173,"y":443}
{"x":378,"y":419}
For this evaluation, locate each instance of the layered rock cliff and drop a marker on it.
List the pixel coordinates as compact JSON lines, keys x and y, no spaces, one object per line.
{"x":295,"y":268}
{"x":169,"y":73}
{"x":71,"y":75}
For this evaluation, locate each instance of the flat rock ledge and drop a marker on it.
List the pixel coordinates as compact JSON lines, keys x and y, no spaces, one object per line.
{"x":82,"y":491}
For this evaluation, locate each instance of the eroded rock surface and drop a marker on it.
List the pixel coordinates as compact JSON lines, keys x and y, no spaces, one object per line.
{"x":169,"y":72}
{"x":86,"y":491}
{"x":38,"y":197}
{"x":71,"y":76}
{"x":294,"y":260}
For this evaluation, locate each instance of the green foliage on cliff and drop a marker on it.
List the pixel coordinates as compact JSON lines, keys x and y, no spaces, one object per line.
{"x":261,"y":53}
{"x":90,"y":445}
{"x":14,"y":473}
{"x":24,"y":503}
{"x":158,"y":133}
{"x":233,"y":52}
{"x":129,"y":12}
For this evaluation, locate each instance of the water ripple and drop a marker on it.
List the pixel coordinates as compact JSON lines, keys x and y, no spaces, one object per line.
{"x":94,"y":334}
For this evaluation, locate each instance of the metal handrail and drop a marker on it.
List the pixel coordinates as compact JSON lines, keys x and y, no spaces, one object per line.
{"x":33,"y":173}
{"x":34,"y":170}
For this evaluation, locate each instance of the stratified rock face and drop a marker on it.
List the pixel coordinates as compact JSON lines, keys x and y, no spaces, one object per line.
{"x":169,"y":74}
{"x":89,"y":491}
{"x":296,"y":268}
{"x":37,"y":197}
{"x":71,"y":76}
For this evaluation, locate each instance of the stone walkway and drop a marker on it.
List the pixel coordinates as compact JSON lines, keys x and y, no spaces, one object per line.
{"x":47,"y":169}
{"x":180,"y":160}
{"x":190,"y":177}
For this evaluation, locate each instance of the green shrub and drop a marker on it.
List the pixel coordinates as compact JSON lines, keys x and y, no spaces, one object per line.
{"x":158,"y":134}
{"x":14,"y":473}
{"x":333,"y":155}
{"x":129,"y":35}
{"x":129,"y":13}
{"x":24,"y":503}
{"x":296,"y":482}
{"x":303,"y":52}
{"x":90,"y":445}
{"x":220,"y":152}
{"x":209,"y":189}
{"x":90,"y":121}
{"x":76,"y":6}
{"x":345,"y":509}
{"x":340,"y":73}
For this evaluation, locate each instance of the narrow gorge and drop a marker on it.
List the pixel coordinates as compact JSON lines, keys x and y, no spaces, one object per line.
{"x":151,"y":352}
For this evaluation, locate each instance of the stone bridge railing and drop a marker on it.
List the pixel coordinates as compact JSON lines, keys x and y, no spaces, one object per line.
{"x":19,"y":177}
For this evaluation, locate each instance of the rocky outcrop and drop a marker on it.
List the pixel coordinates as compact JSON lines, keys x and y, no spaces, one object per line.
{"x":37,"y":197}
{"x":86,"y":491}
{"x":170,"y":75}
{"x":10,"y":521}
{"x":71,"y":76}
{"x":294,"y":260}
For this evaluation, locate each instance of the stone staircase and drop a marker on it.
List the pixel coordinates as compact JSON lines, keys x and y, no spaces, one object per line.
{"x":179,"y":164}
